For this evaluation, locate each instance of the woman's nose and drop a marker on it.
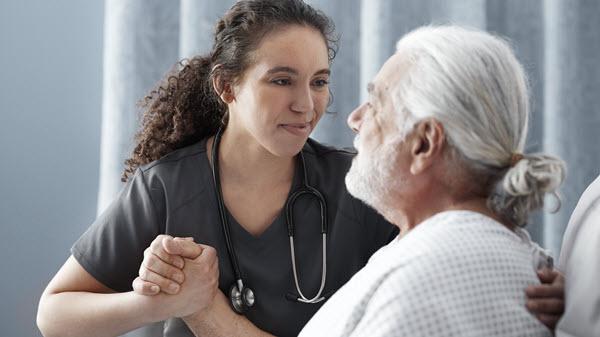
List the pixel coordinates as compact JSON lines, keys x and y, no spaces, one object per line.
{"x":303,"y":101}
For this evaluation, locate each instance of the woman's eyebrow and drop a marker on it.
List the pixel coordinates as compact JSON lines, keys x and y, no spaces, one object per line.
{"x":325,"y":71}
{"x":293,"y":71}
{"x":283,"y":69}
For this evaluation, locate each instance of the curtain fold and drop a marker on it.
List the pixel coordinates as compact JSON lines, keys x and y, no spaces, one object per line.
{"x":141,"y":42}
{"x":571,"y":114}
{"x":557,"y":40}
{"x":198,"y":18}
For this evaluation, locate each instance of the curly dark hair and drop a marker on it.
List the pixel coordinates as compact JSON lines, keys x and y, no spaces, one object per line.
{"x":184,"y":107}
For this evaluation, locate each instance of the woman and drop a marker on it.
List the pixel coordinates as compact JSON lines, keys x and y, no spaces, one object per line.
{"x":266,"y":80}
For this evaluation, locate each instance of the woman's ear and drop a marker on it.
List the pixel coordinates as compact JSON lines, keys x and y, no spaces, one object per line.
{"x":223,"y":89}
{"x":427,"y":145}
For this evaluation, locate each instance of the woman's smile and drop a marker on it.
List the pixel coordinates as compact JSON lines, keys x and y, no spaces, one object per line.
{"x":297,"y":129}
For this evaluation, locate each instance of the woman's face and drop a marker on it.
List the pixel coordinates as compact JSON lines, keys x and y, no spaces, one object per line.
{"x":283,"y":94}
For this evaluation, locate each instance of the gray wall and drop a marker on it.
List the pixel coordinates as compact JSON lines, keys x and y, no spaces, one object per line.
{"x":50,"y":108}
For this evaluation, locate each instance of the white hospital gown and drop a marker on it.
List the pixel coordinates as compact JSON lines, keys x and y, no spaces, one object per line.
{"x":459,"y":273}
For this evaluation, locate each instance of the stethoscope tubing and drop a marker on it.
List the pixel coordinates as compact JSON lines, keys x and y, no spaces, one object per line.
{"x":289,"y":205}
{"x":224,"y":222}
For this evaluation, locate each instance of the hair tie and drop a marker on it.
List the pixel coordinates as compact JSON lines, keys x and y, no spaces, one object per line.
{"x":515,"y":158}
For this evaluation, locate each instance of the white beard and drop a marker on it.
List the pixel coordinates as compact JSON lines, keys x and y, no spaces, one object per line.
{"x":371,"y":177}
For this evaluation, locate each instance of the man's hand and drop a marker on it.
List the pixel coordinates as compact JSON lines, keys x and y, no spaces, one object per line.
{"x":547,"y":300}
{"x":161,"y":271}
{"x":186,"y":273}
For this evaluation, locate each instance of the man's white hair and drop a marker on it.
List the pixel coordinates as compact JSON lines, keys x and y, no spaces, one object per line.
{"x":472,"y":83}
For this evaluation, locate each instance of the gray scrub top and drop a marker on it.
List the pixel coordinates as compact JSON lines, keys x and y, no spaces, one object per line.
{"x":175,"y":195}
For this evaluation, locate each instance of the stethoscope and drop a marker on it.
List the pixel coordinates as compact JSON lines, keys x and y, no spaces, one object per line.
{"x":242,"y":297}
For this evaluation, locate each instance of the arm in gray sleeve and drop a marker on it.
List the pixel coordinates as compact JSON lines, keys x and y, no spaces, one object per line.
{"x":111,"y":250}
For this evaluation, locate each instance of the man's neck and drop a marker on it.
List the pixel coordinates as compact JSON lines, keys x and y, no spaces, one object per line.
{"x":427,"y":207}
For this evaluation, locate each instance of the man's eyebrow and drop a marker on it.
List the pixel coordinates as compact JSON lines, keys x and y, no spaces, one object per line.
{"x":371,"y":88}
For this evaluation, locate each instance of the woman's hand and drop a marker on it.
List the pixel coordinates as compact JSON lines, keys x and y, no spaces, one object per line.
{"x":547,"y":300}
{"x":186,"y":273}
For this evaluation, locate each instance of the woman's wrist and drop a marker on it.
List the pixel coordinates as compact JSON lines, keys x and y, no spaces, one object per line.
{"x":152,"y":309}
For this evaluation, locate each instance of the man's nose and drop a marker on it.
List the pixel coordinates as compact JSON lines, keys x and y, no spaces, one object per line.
{"x":355,"y":118}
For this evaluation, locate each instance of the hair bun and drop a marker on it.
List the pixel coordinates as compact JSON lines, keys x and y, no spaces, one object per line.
{"x":535,"y":173}
{"x":525,"y":185}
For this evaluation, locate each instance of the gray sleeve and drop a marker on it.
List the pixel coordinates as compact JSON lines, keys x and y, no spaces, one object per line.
{"x":111,"y":250}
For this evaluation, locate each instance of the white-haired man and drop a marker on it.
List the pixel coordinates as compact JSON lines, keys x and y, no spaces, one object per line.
{"x":440,"y":154}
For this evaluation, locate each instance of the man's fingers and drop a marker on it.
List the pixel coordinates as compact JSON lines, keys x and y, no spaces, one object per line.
{"x":544,"y":291}
{"x":159,"y":252}
{"x":166,"y":285}
{"x":549,"y":320}
{"x":547,"y":275}
{"x":157,"y":265}
{"x":549,"y":306}
{"x":208,"y":253}
{"x":145,"y":288}
{"x":157,"y":249}
{"x":183,"y":247}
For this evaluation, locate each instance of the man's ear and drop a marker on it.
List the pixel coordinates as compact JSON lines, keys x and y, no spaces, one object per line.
{"x":427,"y":144}
{"x":223,"y":89}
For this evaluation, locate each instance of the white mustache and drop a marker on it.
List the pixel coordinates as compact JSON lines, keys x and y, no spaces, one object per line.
{"x":356,"y":141}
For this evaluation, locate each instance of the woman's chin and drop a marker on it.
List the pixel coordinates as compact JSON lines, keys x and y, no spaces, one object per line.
{"x":288,"y":149}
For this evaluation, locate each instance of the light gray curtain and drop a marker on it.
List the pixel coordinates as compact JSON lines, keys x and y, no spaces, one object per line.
{"x":557,"y":41}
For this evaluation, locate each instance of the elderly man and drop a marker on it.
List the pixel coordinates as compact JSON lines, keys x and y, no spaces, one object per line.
{"x":440,"y":154}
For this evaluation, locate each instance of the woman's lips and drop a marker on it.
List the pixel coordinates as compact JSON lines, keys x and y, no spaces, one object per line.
{"x":297,"y":129}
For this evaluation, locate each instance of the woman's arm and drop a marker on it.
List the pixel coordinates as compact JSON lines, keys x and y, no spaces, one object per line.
{"x":218,"y":319}
{"x":76,"y":304}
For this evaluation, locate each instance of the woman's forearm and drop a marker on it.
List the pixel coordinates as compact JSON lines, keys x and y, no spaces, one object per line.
{"x":220,"y":321}
{"x":93,"y":314}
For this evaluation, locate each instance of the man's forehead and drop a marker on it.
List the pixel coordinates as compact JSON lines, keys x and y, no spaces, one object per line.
{"x":389,"y":74}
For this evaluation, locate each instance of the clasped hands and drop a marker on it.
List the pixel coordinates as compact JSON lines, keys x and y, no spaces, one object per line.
{"x":181,"y":274}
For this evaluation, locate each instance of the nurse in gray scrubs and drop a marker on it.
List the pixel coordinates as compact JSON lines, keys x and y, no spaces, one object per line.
{"x":262,"y":89}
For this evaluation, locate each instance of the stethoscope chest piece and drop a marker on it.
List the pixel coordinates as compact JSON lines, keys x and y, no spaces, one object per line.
{"x":242,"y":300}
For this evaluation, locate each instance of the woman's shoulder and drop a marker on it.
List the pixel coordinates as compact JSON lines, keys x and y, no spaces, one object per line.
{"x":182,"y":169}
{"x":177,"y":157}
{"x":321,"y":149}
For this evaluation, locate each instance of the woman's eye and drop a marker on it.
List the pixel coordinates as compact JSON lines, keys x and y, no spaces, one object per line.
{"x":321,"y":83}
{"x":281,"y":81}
